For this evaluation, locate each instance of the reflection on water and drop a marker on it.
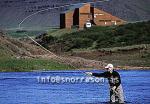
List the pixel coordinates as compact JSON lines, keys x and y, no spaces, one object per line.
{"x":23,"y":88}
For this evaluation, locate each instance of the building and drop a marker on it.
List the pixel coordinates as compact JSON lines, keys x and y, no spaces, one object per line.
{"x":78,"y":15}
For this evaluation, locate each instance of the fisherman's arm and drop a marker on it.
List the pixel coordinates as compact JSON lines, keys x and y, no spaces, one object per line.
{"x":105,"y":74}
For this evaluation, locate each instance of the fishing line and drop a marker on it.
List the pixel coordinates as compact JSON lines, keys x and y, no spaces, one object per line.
{"x":19,"y":26}
{"x":50,"y":51}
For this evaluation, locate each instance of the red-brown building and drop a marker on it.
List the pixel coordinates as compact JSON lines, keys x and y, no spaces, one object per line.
{"x":78,"y":15}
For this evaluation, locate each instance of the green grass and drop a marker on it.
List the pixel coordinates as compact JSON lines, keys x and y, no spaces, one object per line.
{"x":126,"y":43}
{"x":127,"y":48}
{"x":135,"y":55}
{"x":8,"y":63}
{"x":60,"y":32}
{"x":15,"y":34}
{"x":127,"y":59}
{"x":20,"y":65}
{"x":99,"y":37}
{"x":4,"y":53}
{"x":120,"y":40}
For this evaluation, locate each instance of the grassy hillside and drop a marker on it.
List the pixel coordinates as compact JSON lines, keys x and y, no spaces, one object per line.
{"x":20,"y":65}
{"x":19,"y":56}
{"x":122,"y":45}
{"x":101,"y":37}
{"x":60,"y":32}
{"x":22,"y":34}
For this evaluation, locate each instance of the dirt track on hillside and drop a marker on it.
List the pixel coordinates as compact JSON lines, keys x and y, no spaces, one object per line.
{"x":21,"y":49}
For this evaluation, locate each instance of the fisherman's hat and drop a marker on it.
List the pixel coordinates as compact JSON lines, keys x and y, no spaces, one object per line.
{"x":109,"y":66}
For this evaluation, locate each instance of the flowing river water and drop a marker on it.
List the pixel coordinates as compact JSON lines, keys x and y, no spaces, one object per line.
{"x":27,"y":88}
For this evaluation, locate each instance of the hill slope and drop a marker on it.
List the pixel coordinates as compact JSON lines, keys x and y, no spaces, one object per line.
{"x":122,"y":45}
{"x":20,"y":56}
{"x":12,"y":12}
{"x":129,"y":10}
{"x":16,"y":55}
{"x":16,"y":47}
{"x":101,"y":37}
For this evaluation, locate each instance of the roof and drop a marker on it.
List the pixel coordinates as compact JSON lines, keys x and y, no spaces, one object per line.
{"x":73,"y":7}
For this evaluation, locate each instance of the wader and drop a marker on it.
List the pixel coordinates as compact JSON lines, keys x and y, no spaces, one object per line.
{"x":116,"y":91}
{"x":116,"y":95}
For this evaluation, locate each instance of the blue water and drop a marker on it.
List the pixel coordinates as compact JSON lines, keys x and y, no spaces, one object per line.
{"x":24,"y":88}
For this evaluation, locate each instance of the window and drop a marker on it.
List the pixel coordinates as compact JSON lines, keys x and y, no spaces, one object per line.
{"x":98,"y":14}
{"x":84,"y":13}
{"x":104,"y":20}
{"x":118,"y":20}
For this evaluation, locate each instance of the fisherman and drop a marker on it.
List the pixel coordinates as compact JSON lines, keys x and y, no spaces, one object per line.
{"x":116,"y":91}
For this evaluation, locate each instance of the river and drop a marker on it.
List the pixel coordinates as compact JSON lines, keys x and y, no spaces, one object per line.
{"x":26,"y":88}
